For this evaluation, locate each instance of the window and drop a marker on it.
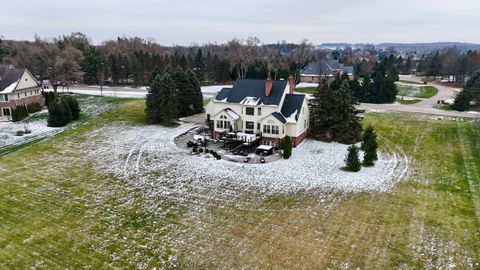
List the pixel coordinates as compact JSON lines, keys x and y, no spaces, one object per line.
{"x":259,"y":111}
{"x":266,"y":129}
{"x":18,"y":95}
{"x":258,"y":126}
{"x":249,"y":111}
{"x":25,"y":93}
{"x":223,"y":123}
{"x":275,"y":130}
{"x":6,"y":97}
{"x":249,"y":125}
{"x":6,"y":111}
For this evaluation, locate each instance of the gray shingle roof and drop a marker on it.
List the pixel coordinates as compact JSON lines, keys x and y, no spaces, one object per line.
{"x":280,"y":117}
{"x":326,"y":68}
{"x":291,"y":104}
{"x":253,"y":88}
{"x":9,"y":76}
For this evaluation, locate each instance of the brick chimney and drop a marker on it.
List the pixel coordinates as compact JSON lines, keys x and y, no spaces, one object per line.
{"x":291,"y":84}
{"x":268,"y":86}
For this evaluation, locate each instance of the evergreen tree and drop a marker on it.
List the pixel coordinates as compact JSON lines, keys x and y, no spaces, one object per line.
{"x":333,"y":115}
{"x":370,"y":146}
{"x":462,"y":101}
{"x":352,"y":161}
{"x":56,"y":115}
{"x":186,"y":94}
{"x":287,"y":147}
{"x":198,"y":96}
{"x":73,"y":106}
{"x":66,"y":111}
{"x":162,"y":101}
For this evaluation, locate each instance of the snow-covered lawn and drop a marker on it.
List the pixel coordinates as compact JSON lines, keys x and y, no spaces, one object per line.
{"x":37,"y":124}
{"x":38,"y":128}
{"x":141,"y":152}
{"x":305,"y":85}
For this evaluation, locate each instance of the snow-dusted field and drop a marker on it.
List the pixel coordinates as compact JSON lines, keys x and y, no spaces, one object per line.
{"x":89,"y":105}
{"x":149,"y":158}
{"x":38,"y":128}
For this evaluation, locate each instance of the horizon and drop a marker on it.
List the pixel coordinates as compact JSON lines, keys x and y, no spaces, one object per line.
{"x":172,"y":23}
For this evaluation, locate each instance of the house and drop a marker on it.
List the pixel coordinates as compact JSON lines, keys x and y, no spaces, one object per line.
{"x":17,"y":87}
{"x":324,"y":69}
{"x":267,"y":110}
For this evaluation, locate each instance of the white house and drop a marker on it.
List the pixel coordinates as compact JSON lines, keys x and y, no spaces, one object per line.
{"x":17,"y":87}
{"x":267,"y":109}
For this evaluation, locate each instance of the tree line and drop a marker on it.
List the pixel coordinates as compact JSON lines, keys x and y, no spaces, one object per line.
{"x":132,"y":61}
{"x":450,"y":63}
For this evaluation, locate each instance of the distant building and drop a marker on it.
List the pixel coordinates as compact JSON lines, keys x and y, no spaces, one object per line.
{"x":17,"y":87}
{"x":265,"y":110}
{"x":324,"y":69}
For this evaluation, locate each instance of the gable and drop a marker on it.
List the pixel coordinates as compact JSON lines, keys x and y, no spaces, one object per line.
{"x":26,"y":81}
{"x":9,"y":78}
{"x":292,"y":106}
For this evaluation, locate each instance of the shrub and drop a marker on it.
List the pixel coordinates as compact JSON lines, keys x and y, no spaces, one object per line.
{"x":200,"y":150}
{"x":287,"y":147}
{"x":49,"y":98}
{"x":57,"y":114}
{"x":215,"y":155}
{"x":34,"y":107}
{"x":352,"y":162}
{"x":73,"y":106}
{"x":462,"y":102}
{"x":370,"y":154}
{"x":19,"y":113}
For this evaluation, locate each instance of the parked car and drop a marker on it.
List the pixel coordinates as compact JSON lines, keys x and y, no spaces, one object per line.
{"x":247,"y":159}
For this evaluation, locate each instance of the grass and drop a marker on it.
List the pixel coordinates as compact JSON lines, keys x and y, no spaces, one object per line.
{"x":408,"y":101}
{"x":307,"y":90}
{"x":57,"y":211}
{"x":416,"y":91}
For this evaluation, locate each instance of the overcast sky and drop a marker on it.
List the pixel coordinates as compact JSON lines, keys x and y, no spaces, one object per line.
{"x":185,"y":22}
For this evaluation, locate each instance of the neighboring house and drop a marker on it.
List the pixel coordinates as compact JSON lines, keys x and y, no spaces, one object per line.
{"x":324,"y":69}
{"x":267,"y":108}
{"x":17,"y":87}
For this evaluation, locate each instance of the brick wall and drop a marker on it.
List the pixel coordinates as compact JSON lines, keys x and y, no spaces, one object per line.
{"x":23,"y":101}
{"x":297,"y":140}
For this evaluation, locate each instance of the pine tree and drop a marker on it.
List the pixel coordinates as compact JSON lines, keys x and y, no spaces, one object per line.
{"x":73,"y":106}
{"x":56,"y":115}
{"x":198,"y":96}
{"x":333,"y":115}
{"x":370,"y":154}
{"x":152,"y":101}
{"x":186,"y":94}
{"x":462,"y":101}
{"x":370,"y":146}
{"x":168,"y":105}
{"x":66,"y":111}
{"x":352,"y":161}
{"x":287,"y":147}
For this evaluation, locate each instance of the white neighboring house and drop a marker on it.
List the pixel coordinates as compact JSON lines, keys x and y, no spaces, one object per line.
{"x":17,"y":87}
{"x":267,"y":108}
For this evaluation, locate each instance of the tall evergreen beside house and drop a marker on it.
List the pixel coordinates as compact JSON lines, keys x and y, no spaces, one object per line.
{"x":186,"y":94}
{"x":161,"y":101}
{"x":333,"y":116}
{"x":197,"y":92}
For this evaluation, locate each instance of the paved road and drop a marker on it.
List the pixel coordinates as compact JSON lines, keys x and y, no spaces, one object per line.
{"x":425,"y":106}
